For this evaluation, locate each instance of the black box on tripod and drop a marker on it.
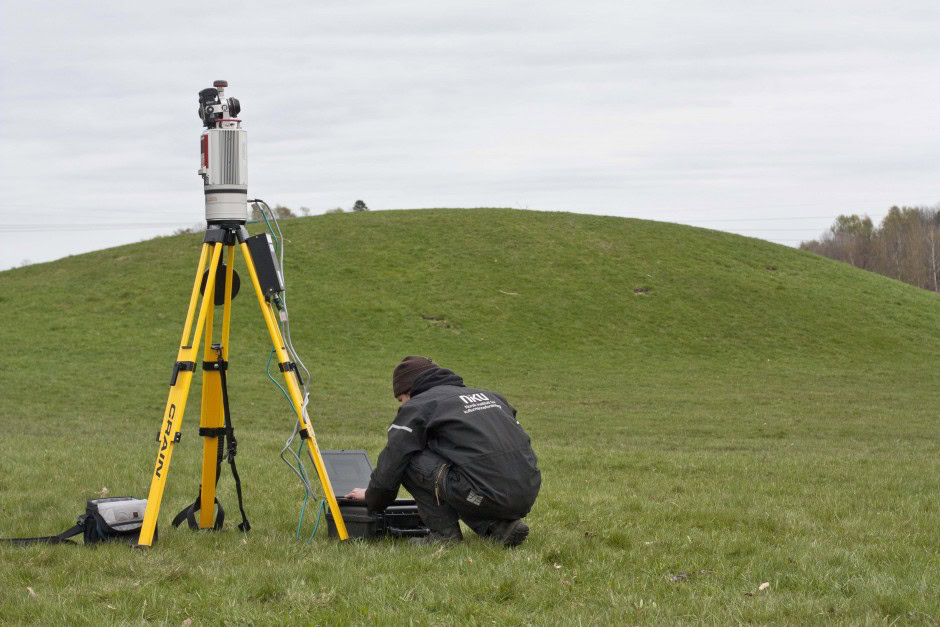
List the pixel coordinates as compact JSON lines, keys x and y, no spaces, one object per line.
{"x":352,"y":469}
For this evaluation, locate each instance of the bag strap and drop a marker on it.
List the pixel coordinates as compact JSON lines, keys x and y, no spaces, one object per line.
{"x":230,"y":449}
{"x":189,"y":515}
{"x":62,"y":538}
{"x":232,"y":446}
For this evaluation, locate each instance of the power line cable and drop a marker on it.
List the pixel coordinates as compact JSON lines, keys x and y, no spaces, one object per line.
{"x":109,"y":226}
{"x":780,"y":218}
{"x":774,"y":230}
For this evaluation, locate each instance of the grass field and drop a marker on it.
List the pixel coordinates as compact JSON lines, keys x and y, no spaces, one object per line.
{"x":710,"y":412}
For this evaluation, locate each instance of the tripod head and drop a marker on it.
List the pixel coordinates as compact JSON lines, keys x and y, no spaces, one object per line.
{"x":223,"y":149}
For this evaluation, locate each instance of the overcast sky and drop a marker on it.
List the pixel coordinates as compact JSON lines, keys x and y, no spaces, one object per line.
{"x":763,"y":118}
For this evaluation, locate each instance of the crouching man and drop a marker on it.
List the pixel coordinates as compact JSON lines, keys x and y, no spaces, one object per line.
{"x":460,"y":452}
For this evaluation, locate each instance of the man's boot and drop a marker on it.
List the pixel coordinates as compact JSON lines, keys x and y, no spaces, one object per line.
{"x":509,"y":532}
{"x":451,"y":535}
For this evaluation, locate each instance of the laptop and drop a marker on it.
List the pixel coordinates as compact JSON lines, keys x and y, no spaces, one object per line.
{"x":347,"y":470}
{"x":352,"y":469}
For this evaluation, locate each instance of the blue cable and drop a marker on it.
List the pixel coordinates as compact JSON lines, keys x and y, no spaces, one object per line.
{"x":267,"y":371}
{"x":300,"y":466}
{"x":303,"y":475}
{"x":271,"y":231}
{"x":320,"y":511}
{"x":303,"y":507}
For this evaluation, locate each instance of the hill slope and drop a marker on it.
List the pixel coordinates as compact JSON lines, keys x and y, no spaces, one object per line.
{"x":678,"y":383}
{"x":498,"y":294}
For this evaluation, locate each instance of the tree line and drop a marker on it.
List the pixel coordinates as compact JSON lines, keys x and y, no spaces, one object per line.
{"x":904,"y":246}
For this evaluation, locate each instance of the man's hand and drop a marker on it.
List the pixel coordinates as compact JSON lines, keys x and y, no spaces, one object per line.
{"x":357,"y":494}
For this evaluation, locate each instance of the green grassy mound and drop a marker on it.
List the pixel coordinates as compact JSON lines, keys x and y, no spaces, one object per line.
{"x":711,"y":412}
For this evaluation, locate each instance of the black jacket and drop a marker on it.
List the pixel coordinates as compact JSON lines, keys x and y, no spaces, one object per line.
{"x":476,"y":430}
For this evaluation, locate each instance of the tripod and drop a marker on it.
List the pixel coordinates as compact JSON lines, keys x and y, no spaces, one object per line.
{"x":222,"y":238}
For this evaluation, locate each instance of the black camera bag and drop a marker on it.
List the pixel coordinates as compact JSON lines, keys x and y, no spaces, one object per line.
{"x":116,"y":518}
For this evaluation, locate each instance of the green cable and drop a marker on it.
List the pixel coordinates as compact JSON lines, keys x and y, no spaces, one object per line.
{"x":301,"y":521}
{"x":303,"y":474}
{"x":267,"y":371}
{"x":267,"y":367}
{"x":320,"y":511}
{"x":321,"y":508}
{"x":271,"y":231}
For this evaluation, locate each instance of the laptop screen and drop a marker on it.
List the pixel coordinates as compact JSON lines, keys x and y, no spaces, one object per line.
{"x":347,"y":470}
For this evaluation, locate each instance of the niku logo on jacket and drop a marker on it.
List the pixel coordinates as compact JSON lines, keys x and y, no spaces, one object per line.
{"x":476,"y":402}
{"x":474,"y":398}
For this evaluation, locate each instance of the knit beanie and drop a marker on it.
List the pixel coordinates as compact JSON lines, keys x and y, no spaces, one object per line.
{"x":403,"y":377}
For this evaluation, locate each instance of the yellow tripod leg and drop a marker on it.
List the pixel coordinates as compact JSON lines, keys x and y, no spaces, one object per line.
{"x":293,"y":387}
{"x":179,"y":390}
{"x":212,"y":414}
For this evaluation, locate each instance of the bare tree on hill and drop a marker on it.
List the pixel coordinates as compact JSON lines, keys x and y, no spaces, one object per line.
{"x":905,"y":246}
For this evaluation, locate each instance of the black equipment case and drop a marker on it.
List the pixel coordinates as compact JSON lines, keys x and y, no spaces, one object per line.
{"x":352,"y":469}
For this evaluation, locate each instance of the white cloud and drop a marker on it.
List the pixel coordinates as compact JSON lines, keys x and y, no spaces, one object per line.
{"x":678,"y":110}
